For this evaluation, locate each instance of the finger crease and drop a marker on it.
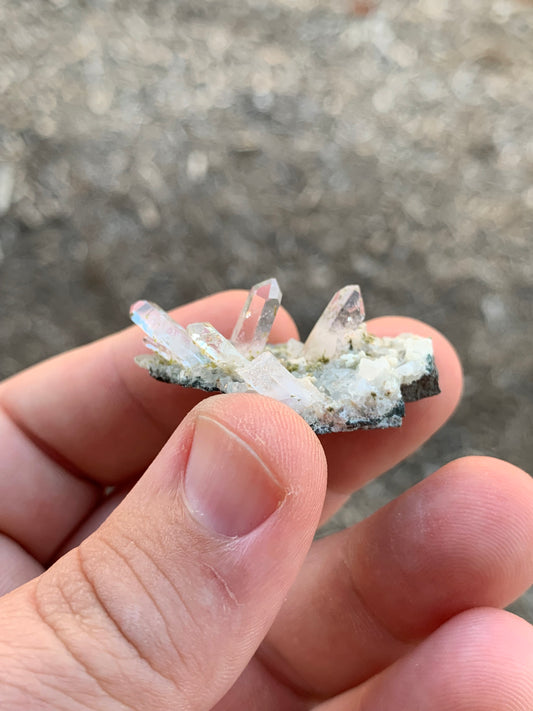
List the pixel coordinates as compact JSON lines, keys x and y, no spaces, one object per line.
{"x":57,"y":634}
{"x":178,"y":651}
{"x":364,"y":606}
{"x":138,"y":653}
{"x":45,"y":448}
{"x":287,"y":680}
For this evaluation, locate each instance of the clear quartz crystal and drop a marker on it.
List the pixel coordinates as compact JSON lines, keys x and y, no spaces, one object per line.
{"x":256,"y":318}
{"x":164,"y":335}
{"x":212,"y":344}
{"x":158,"y":348}
{"x":344,"y":313}
{"x":267,"y":376}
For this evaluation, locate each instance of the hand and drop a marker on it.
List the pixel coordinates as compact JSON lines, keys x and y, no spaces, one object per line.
{"x":196,"y":586}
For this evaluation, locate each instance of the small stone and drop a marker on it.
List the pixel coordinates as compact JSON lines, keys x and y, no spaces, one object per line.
{"x":197,"y":166}
{"x":7,"y":184}
{"x":255,"y":321}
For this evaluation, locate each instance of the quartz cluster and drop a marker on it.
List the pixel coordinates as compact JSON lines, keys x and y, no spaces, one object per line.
{"x":341,"y":378}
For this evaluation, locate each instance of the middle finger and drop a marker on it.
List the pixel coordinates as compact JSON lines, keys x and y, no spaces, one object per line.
{"x":460,"y":539}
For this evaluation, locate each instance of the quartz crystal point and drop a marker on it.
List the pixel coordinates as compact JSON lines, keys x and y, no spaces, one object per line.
{"x":267,"y":376}
{"x":164,"y":335}
{"x":212,"y":344}
{"x":256,"y":318}
{"x":341,"y":317}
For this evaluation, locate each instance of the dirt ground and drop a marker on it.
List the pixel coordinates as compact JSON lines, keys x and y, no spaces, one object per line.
{"x":167,"y":149}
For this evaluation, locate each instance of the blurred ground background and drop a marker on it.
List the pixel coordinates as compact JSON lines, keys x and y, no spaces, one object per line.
{"x":168,"y":149}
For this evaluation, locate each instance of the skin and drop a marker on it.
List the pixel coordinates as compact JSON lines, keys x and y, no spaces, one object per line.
{"x":128,"y":599}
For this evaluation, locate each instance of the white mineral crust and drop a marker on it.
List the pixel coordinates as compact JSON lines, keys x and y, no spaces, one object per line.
{"x":342,"y":377}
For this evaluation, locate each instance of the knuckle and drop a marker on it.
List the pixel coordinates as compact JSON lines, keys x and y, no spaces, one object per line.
{"x":103,"y":646}
{"x":137,"y":623}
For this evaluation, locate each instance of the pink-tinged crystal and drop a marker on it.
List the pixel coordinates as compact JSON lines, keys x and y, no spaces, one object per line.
{"x":164,"y":335}
{"x":341,"y":317}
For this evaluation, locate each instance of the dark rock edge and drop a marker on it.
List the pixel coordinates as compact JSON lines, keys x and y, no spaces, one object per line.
{"x":426,"y":386}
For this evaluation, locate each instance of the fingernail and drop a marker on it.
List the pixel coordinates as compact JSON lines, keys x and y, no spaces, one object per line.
{"x":228,"y":488}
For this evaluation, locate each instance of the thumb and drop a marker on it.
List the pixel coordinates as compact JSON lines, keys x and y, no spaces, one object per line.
{"x":164,"y":605}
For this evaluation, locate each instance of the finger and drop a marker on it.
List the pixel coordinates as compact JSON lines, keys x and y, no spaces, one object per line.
{"x":481,"y":660}
{"x":462,"y":538}
{"x":166,"y":603}
{"x":95,"y":519}
{"x":87,"y":418}
{"x":16,"y":565}
{"x":355,"y":458}
{"x":39,"y":501}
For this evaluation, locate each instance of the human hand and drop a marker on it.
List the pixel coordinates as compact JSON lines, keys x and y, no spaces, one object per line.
{"x":202,"y":589}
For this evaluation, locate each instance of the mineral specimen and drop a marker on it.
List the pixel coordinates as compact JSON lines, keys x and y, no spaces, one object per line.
{"x":341,"y":378}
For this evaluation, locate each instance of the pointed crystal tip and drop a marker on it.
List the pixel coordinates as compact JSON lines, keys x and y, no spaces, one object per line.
{"x":137,"y":306}
{"x":255,"y":321}
{"x":165,"y":336}
{"x":342,"y":316}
